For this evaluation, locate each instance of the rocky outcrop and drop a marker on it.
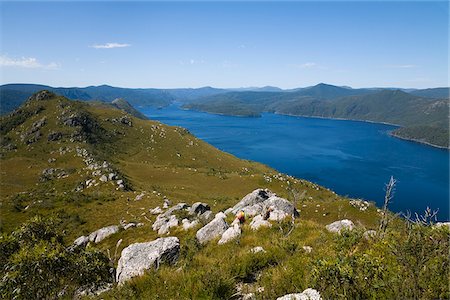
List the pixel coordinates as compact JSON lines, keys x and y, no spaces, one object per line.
{"x":101,"y":234}
{"x":230,"y":234}
{"x":52,"y":173}
{"x":42,"y":95}
{"x":308,"y":294}
{"x":338,"y":226}
{"x":262,"y":202}
{"x":212,"y":230}
{"x":136,"y":258}
{"x":255,"y":197}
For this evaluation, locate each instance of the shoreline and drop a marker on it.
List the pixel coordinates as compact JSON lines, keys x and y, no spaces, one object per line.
{"x":417,"y":141}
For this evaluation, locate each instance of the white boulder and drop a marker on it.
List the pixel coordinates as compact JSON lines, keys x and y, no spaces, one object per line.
{"x":136,"y":258}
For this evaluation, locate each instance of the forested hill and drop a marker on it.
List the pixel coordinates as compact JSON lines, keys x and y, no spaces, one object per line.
{"x":421,"y":115}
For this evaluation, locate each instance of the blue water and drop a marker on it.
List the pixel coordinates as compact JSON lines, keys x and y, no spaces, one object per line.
{"x":349,"y":157}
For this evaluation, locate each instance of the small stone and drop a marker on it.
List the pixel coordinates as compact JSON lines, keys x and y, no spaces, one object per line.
{"x":257,"y":249}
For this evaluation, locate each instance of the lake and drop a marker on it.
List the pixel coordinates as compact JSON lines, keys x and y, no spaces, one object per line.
{"x":350,"y":157}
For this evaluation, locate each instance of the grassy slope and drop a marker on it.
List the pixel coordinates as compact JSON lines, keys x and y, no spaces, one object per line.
{"x":153,"y":156}
{"x":168,"y":162}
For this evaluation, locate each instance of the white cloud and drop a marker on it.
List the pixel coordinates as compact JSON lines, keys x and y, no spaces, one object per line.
{"x":26,"y":62}
{"x":110,"y":46}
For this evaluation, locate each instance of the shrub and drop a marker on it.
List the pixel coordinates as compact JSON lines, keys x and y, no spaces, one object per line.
{"x":37,"y":265}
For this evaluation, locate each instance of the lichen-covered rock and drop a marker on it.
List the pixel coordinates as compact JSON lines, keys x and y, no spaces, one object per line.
{"x":230,"y":234}
{"x":212,"y":230}
{"x":136,"y":258}
{"x":308,"y":294}
{"x":101,"y":234}
{"x":338,"y":226}
{"x":258,"y":222}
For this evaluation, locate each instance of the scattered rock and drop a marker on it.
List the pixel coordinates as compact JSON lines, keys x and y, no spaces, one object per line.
{"x":128,"y":226}
{"x":198,"y":208}
{"x":92,"y":290}
{"x":160,"y":221}
{"x":258,"y":221}
{"x":170,"y":211}
{"x":139,"y":197}
{"x":54,"y":136}
{"x":230,"y":234}
{"x":249,"y":296}
{"x":172,"y":222}
{"x":360,"y":204}
{"x":308,"y":294}
{"x":257,"y":249}
{"x":338,"y":226}
{"x":103,"y":178}
{"x":81,"y":241}
{"x":167,"y":203}
{"x":206,"y":216}
{"x":137,"y":258}
{"x":51,"y":173}
{"x":212,"y":230}
{"x":99,"y":235}
{"x":188,"y":225}
{"x":156,"y":211}
{"x":308,"y":249}
{"x":369,"y":234}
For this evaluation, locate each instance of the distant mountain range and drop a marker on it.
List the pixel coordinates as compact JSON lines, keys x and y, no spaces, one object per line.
{"x":422,"y":112}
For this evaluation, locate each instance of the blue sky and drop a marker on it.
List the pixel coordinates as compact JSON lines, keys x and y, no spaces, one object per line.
{"x":225,"y":44}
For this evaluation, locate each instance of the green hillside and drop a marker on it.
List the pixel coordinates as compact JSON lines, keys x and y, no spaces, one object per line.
{"x":69,"y":168}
